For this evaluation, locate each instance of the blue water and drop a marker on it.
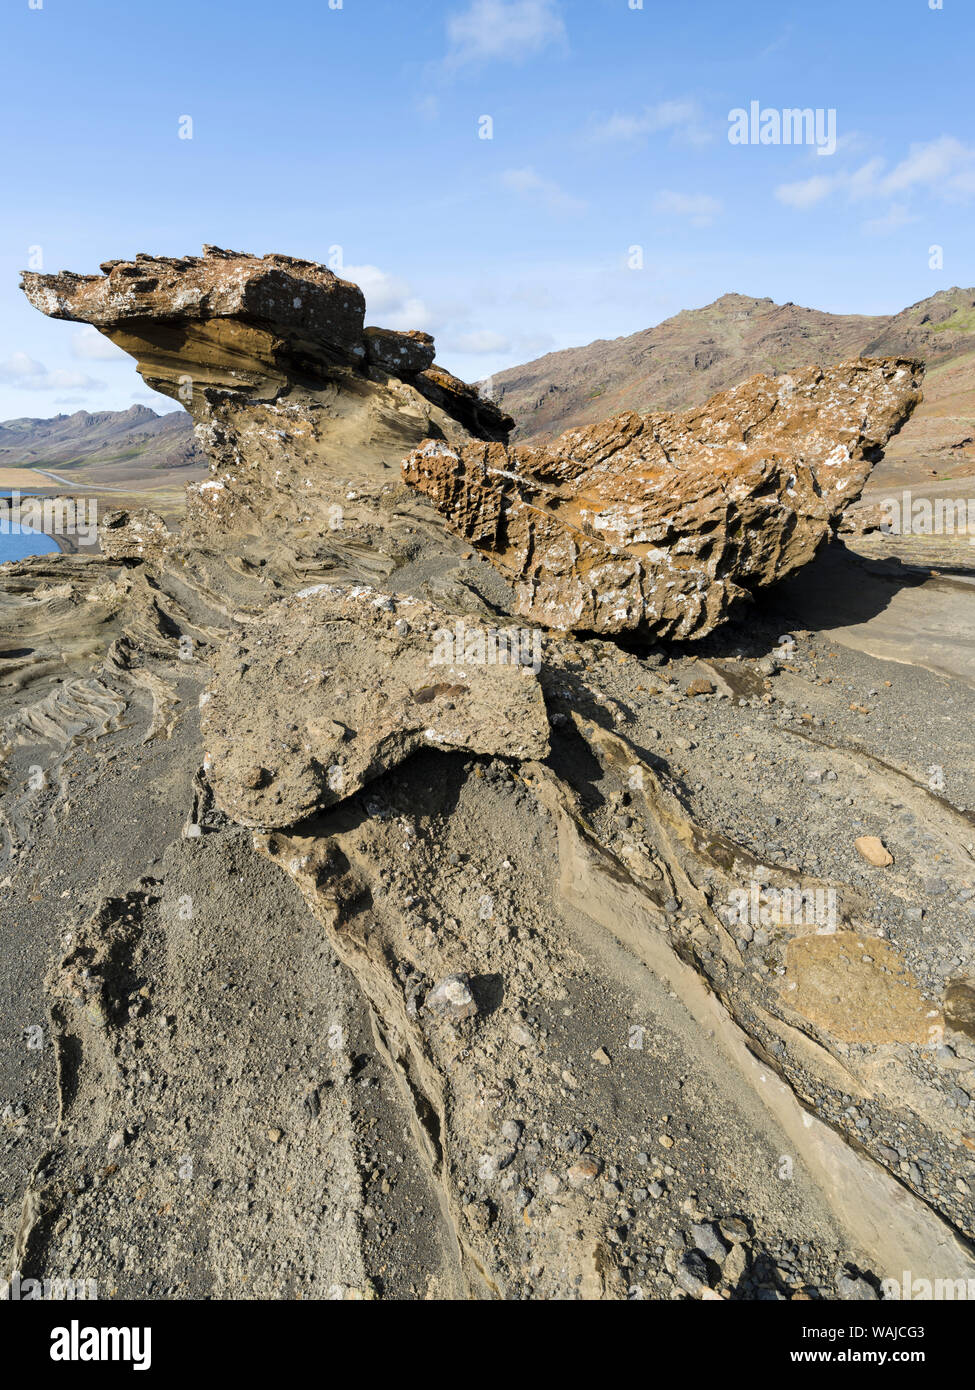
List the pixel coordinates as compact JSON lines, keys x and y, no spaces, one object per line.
{"x":20,"y":541}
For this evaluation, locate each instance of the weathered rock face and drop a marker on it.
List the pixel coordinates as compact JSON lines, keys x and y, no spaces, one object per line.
{"x":246,"y":323}
{"x":134,"y":535}
{"x":337,"y":686}
{"x":291,"y":394}
{"x":659,"y":522}
{"x":290,"y":298}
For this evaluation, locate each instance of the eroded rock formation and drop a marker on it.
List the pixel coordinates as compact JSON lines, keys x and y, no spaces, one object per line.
{"x":417,"y":974}
{"x":133,"y":535}
{"x":292,"y":395}
{"x":229,"y":321}
{"x":659,"y":522}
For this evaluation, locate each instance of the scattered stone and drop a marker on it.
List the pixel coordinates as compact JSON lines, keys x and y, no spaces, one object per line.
{"x":693,"y":1274}
{"x":735,"y":1266}
{"x":452,"y":998}
{"x":584,"y":1172}
{"x":705,"y":1236}
{"x":734,"y":1229}
{"x":874,"y":851}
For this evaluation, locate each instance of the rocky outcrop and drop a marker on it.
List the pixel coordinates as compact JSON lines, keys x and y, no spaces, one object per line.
{"x":508,"y":1006}
{"x":134,"y":535}
{"x":292,"y":395}
{"x":337,"y":686}
{"x":659,"y":522}
{"x":234,"y":322}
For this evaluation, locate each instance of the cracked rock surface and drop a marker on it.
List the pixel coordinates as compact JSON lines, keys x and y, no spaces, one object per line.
{"x":659,"y":522}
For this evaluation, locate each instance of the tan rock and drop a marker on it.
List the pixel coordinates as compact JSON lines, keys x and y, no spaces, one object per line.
{"x":659,"y":522}
{"x":584,"y":1172}
{"x":337,"y":685}
{"x":133,"y":535}
{"x":859,"y":990}
{"x":960,"y":1005}
{"x":874,"y":851}
{"x":291,"y":395}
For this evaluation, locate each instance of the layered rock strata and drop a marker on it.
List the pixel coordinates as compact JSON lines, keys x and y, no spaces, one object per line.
{"x":660,"y":522}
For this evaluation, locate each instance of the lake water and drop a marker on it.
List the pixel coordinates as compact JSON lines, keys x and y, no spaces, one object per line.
{"x":18,"y":542}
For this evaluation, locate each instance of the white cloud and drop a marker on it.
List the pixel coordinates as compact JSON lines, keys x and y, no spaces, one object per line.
{"x":20,"y":368}
{"x":531,"y":185}
{"x":503,"y":31}
{"x":388,"y":298}
{"x":942,"y":168}
{"x":863,"y":182}
{"x":806,"y":192}
{"x":945,"y":165}
{"x":896,"y":216}
{"x":88,"y":343}
{"x":23,"y":371}
{"x":700,"y":208}
{"x":683,"y":120}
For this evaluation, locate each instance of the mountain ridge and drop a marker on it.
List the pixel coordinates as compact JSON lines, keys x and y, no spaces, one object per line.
{"x":682,"y":361}
{"x":136,"y":437}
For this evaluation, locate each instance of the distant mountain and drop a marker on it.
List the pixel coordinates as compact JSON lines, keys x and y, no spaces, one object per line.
{"x":136,"y":439}
{"x":686,"y":359}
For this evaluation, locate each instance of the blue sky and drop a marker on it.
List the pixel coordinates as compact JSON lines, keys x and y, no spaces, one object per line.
{"x":350,"y":134}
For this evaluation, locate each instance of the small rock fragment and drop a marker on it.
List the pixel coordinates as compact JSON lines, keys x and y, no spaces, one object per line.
{"x":583,"y":1172}
{"x":874,"y":851}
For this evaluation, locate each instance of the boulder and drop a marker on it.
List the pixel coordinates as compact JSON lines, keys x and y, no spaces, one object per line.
{"x":340,"y":684}
{"x":660,"y":522}
{"x":402,"y":353}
